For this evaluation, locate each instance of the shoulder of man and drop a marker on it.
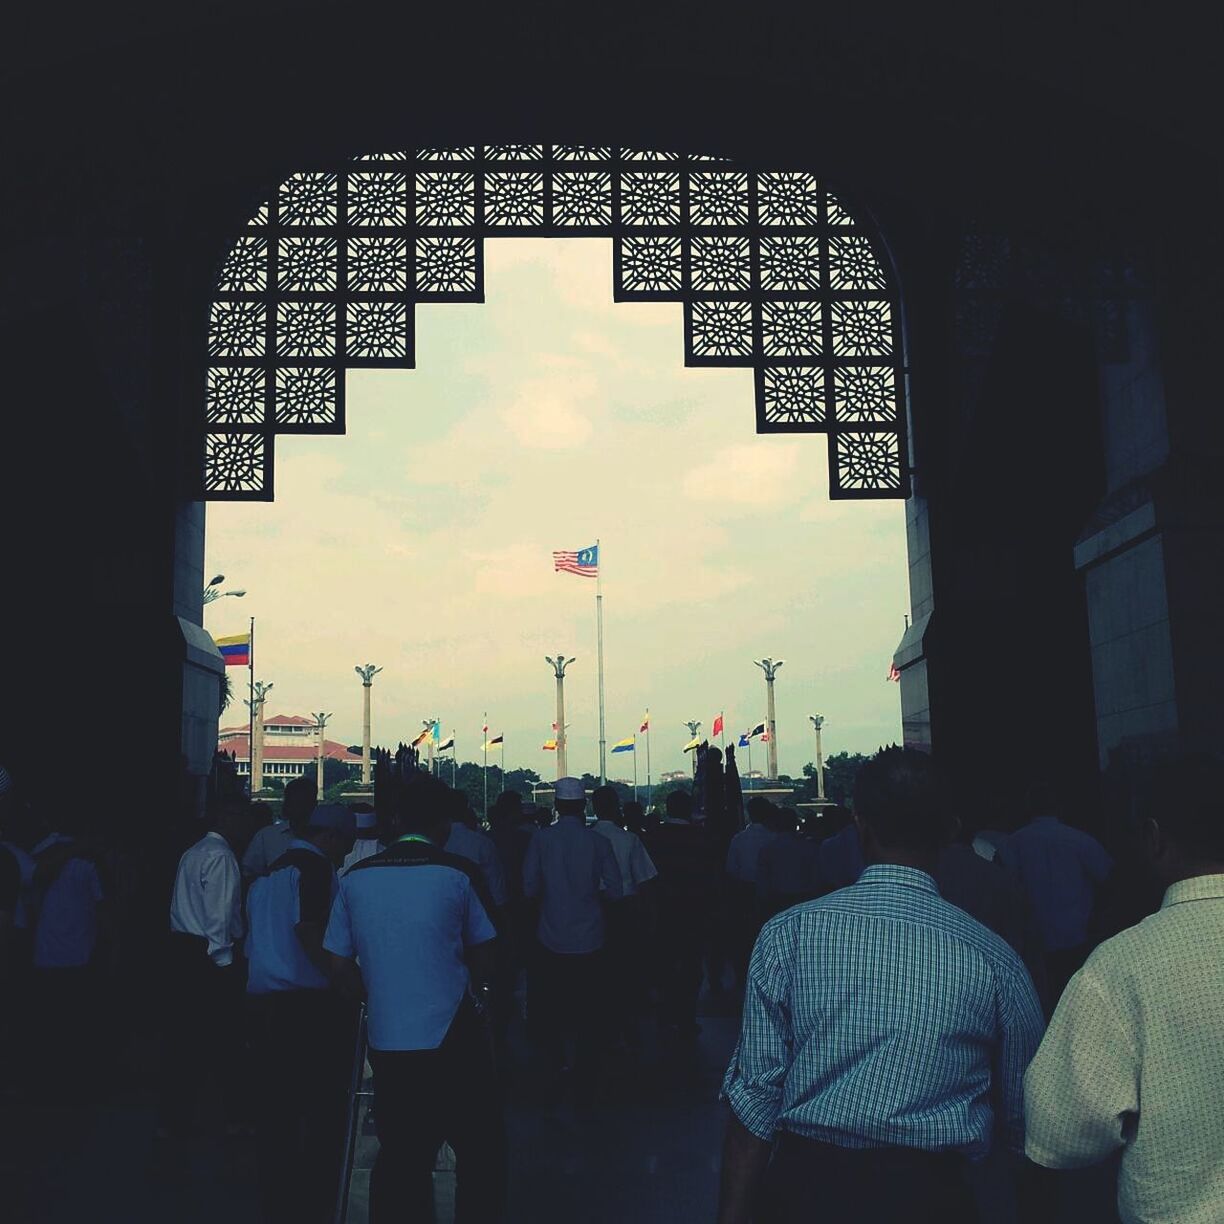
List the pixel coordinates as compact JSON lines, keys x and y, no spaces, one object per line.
{"x":415,"y":854}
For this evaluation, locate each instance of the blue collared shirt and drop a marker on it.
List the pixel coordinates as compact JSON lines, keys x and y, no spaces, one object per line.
{"x":294,"y":890}
{"x":568,"y":867}
{"x":408,"y":916}
{"x":1061,"y":870}
{"x":478,"y":848}
{"x":66,"y":932}
{"x":883,"y":1016}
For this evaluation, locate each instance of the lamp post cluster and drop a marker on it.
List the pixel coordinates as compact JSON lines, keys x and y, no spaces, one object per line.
{"x":559,"y":664}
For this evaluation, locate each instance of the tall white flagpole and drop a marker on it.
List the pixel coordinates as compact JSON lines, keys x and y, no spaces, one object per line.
{"x":485,"y":768}
{"x":648,"y":757}
{"x":635,"y":769}
{"x":603,"y":742}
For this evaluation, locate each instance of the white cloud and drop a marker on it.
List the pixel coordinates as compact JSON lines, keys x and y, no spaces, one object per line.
{"x":759,"y":473}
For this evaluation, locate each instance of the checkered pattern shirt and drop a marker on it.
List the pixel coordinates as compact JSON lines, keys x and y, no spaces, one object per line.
{"x":883,"y":1016}
{"x":1134,"y":1061}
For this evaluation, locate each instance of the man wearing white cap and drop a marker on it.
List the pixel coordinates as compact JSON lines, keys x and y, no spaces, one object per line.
{"x":570,"y":870}
{"x":367,"y":842}
{"x":304,"y":1025}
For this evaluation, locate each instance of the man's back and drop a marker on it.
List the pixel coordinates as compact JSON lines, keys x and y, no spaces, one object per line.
{"x":1135,"y":1059}
{"x":1061,"y":869}
{"x":788,"y":869}
{"x":883,"y":1016}
{"x":478,"y":848}
{"x":631,"y":856}
{"x":566,"y":868}
{"x":687,"y":862}
{"x":66,"y":932}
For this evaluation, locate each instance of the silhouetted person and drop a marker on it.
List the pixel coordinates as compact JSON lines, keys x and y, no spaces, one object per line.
{"x":788,"y":866}
{"x":840,"y":859}
{"x":688,"y":867}
{"x":1062,"y":870}
{"x":204,"y":977}
{"x":570,"y":871}
{"x":1133,"y":1062}
{"x":743,"y":860}
{"x":885,"y":1035}
{"x":635,"y":817}
{"x":468,"y":840}
{"x":368,"y":839}
{"x":412,"y":925}
{"x":272,"y":840}
{"x":304,"y":1027}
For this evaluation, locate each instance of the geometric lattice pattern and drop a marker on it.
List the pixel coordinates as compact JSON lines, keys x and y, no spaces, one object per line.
{"x":773,"y":272}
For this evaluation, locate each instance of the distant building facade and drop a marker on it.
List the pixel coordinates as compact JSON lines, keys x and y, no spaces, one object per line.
{"x":290,"y":747}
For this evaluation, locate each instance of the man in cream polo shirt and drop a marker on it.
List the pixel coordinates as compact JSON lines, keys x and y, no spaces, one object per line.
{"x":1134,"y":1056}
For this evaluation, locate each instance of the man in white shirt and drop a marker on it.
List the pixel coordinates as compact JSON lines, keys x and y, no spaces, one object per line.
{"x":203,"y":980}
{"x":1133,"y":1060}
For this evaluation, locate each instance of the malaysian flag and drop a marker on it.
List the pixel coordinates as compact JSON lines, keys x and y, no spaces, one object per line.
{"x":585,"y":562}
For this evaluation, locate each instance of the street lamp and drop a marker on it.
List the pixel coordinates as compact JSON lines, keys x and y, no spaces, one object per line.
{"x":255,"y":732}
{"x":321,"y":720}
{"x":559,"y":664}
{"x":693,"y":726}
{"x":367,"y":674}
{"x":770,"y":668}
{"x":211,"y":592}
{"x":817,"y":721}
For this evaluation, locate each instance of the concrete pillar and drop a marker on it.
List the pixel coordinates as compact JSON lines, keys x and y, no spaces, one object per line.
{"x":365,"y":733}
{"x":773,"y":727}
{"x":561,"y":761}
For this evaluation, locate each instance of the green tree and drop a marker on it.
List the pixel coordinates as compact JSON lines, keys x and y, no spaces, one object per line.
{"x":840,"y":771}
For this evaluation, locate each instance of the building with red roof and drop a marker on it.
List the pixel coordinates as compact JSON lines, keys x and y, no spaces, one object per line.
{"x":290,"y":747}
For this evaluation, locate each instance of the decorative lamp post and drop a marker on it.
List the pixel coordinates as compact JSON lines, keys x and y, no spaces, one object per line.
{"x":367,"y":674}
{"x":255,"y":734}
{"x":321,"y":720}
{"x":770,"y":668}
{"x":693,"y":725}
{"x":817,"y":721}
{"x":211,"y":592}
{"x":559,"y":664}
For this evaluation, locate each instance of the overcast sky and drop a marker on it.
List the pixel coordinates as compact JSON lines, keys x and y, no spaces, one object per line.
{"x":421,"y":541}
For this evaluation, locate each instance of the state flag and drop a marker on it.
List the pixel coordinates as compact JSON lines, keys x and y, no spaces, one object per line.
{"x":625,"y":745}
{"x":718,"y":726}
{"x":759,"y":729}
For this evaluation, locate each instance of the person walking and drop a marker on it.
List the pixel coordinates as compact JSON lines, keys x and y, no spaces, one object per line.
{"x":467,"y":840}
{"x":1133,"y":1062}
{"x":368,"y":840}
{"x":411,"y":927}
{"x":304,"y":1027}
{"x":570,"y":871}
{"x":272,"y":840}
{"x":884,"y":1038}
{"x":203,"y":980}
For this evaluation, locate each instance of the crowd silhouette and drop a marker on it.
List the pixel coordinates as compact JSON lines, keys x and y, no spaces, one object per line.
{"x":942,"y":995}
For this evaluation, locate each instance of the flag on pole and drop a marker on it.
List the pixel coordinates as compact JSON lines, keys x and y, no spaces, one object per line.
{"x":235,"y":649}
{"x":625,"y":745}
{"x":446,"y":743}
{"x":550,"y":745}
{"x":894,"y":672}
{"x":645,"y":724}
{"x":695,"y":742}
{"x":493,"y":743}
{"x":743,"y":741}
{"x":718,"y":726}
{"x":759,"y":729}
{"x":584,"y":562}
{"x":420,"y":739}
{"x":436,"y":731}
{"x":764,"y":737}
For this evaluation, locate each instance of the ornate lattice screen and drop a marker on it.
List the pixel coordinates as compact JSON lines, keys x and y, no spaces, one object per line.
{"x":773,"y":272}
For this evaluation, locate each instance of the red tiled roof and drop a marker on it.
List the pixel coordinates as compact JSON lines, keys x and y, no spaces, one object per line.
{"x":274,"y":751}
{"x":289,"y":720}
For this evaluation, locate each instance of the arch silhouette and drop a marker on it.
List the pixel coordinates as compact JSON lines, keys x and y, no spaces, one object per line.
{"x":773,"y":272}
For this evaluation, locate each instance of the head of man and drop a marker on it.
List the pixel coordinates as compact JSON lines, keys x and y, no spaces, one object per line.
{"x":569,"y":798}
{"x":898,"y":809}
{"x":422,"y":809}
{"x":460,"y":809}
{"x":331,"y":827}
{"x":365,"y":821}
{"x":1184,"y":828}
{"x":782,"y":820}
{"x":680,"y":806}
{"x":605,"y":803}
{"x":229,"y":818}
{"x":759,"y":810}
{"x":299,"y":801}
{"x":507,"y":810}
{"x":635,"y":816}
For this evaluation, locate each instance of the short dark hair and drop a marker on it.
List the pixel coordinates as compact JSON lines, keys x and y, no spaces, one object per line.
{"x":896,"y":795}
{"x":1186,"y":799}
{"x":424,"y":802}
{"x":299,"y":800}
{"x":605,"y":799}
{"x":570,"y":807}
{"x":679,"y":805}
{"x":758,"y":808}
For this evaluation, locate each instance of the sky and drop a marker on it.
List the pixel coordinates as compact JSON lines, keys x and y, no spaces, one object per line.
{"x":543,"y":419}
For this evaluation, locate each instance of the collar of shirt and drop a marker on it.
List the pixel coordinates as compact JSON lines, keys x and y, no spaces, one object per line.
{"x":300,"y":843}
{"x":1196,"y":888}
{"x":894,"y":873}
{"x":213,"y":835}
{"x":414,"y":837}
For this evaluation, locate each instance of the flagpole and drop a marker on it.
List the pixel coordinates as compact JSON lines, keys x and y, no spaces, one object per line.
{"x":722,"y":722}
{"x":635,"y":769}
{"x":647,"y":758}
{"x":454,"y":760}
{"x":749,"y":778}
{"x":501,"y":789}
{"x":251,"y":716}
{"x":485,"y":768}
{"x":603,"y":758}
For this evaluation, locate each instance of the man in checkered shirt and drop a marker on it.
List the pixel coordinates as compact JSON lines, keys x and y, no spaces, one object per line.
{"x":885,"y":1035}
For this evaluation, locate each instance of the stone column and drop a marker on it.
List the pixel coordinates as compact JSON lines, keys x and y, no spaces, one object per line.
{"x":367,"y":674}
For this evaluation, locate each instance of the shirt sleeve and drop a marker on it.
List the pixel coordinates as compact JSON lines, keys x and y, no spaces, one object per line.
{"x":1081,"y":1093}
{"x":338,"y":938}
{"x":222,"y":893}
{"x":477,"y":927}
{"x":1022,"y":1025}
{"x":763,"y":1054}
{"x":609,"y":869}
{"x":1098,"y":861}
{"x":641,"y":866}
{"x":532,"y":877}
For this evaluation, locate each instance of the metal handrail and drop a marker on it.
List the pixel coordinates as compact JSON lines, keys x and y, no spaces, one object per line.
{"x":356,"y":1095}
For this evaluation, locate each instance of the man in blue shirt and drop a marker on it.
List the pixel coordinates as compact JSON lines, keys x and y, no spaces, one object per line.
{"x":412,"y":925}
{"x":304,"y":1026}
{"x":570,"y":870}
{"x":885,"y":1035}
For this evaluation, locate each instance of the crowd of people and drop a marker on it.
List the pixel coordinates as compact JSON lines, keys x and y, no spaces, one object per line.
{"x":924,"y":980}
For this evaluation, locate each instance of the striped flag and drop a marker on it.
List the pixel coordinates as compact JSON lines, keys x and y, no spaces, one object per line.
{"x":235,"y":649}
{"x":446,"y":743}
{"x":759,"y":729}
{"x":494,"y":742}
{"x":550,"y":745}
{"x":584,"y":562}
